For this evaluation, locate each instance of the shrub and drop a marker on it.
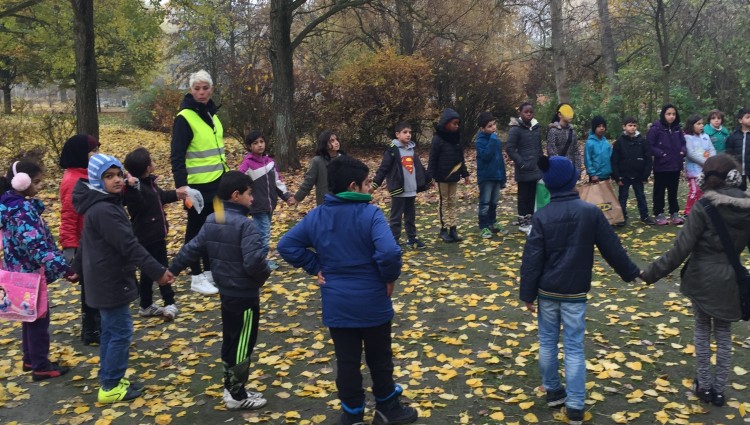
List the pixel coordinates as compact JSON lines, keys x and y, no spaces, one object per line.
{"x":155,"y":108}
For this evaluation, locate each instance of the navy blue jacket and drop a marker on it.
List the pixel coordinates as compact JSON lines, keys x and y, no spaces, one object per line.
{"x":490,"y":163}
{"x":351,"y":243}
{"x":145,"y":205}
{"x":234,"y":246}
{"x":559,"y":252}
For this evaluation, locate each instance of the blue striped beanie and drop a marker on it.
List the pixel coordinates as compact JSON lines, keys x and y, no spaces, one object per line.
{"x":98,"y":164}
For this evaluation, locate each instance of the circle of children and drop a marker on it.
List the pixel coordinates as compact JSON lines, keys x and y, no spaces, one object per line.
{"x":348,"y":244}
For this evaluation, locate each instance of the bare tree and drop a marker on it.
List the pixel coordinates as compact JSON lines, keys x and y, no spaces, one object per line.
{"x":608,"y":45}
{"x":558,"y":50}
{"x":87,"y":120}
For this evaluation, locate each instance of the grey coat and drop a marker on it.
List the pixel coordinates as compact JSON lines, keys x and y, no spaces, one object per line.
{"x":524,"y":147}
{"x":316,"y":176}
{"x":557,"y":137}
{"x":708,"y":279}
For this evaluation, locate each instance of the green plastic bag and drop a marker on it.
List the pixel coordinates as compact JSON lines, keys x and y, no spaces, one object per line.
{"x":542,"y":195}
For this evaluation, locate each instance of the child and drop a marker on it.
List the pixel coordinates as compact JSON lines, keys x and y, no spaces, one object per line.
{"x":447,"y":166}
{"x":267,"y":187}
{"x":598,"y":152}
{"x":233,"y":243}
{"x":667,"y":143}
{"x":716,"y":130}
{"x":709,"y":279}
{"x":561,"y":136}
{"x":328,"y":148}
{"x":74,"y":159}
{"x":631,"y":166}
{"x":525,"y":148}
{"x":28,"y":246}
{"x":108,"y":255}
{"x":145,"y":203}
{"x":490,"y":174}
{"x":699,"y":148}
{"x":556,"y":268}
{"x":738,"y":144}
{"x":348,"y":245}
{"x":405,"y":177}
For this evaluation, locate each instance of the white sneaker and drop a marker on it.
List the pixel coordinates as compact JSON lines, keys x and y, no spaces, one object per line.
{"x":201,"y":285}
{"x":253,"y":394}
{"x":209,"y":277}
{"x":248,"y":403}
{"x":151,"y":311}
{"x":170,"y":312}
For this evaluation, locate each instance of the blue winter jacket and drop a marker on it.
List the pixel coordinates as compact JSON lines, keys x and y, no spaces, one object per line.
{"x":351,"y":243}
{"x":490,"y":163}
{"x":559,"y":253}
{"x":597,"y":156}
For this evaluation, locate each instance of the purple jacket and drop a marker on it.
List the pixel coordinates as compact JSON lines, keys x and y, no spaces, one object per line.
{"x":667,"y":146}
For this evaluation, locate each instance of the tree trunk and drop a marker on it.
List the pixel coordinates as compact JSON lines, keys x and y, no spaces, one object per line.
{"x":558,"y":50}
{"x":7,"y":106}
{"x":405,"y":28}
{"x":87,"y":120}
{"x":63,"y":94}
{"x":282,"y":66}
{"x":608,"y":46}
{"x":662,"y":39}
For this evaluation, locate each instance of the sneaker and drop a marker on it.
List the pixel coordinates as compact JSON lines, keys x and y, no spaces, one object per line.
{"x":272,"y":264}
{"x":209,"y":277}
{"x":485,"y":233}
{"x":352,"y":418}
{"x":252,"y":394}
{"x":498,"y":228}
{"x":661,"y":220}
{"x":170,"y":312}
{"x":677,"y":219}
{"x":132,"y":384}
{"x":390,"y":411}
{"x":151,"y":311}
{"x":121,"y":392}
{"x":27,"y":366}
{"x":648,"y":220}
{"x":201,"y":285}
{"x":53,"y":370}
{"x":416,"y":243}
{"x":557,"y":397}
{"x":705,"y":395}
{"x":575,"y":416}
{"x":249,"y":403}
{"x":718,"y":399}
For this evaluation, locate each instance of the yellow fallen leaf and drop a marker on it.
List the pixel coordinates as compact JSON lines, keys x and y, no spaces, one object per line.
{"x":525,"y":405}
{"x":739,"y":371}
{"x":531,"y":418}
{"x":497,"y":416}
{"x":164,"y":419}
{"x":634,"y":365}
{"x":81,"y":409}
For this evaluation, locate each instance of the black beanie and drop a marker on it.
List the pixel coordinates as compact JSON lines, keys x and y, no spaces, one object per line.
{"x":484,"y":119}
{"x":596,"y":122}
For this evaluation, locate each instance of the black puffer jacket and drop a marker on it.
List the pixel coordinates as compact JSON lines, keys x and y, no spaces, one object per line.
{"x":145,"y":205}
{"x":524,"y":147}
{"x":392,"y":172}
{"x":235,"y":249}
{"x":446,"y":152}
{"x":559,"y":252}
{"x":737,"y":146}
{"x":109,"y":251}
{"x":631,"y":157}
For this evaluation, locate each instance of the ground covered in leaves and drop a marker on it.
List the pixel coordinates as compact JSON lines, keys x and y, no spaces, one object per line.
{"x":465,"y":348}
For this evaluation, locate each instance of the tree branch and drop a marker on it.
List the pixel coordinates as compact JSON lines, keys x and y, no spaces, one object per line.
{"x":688,"y":31}
{"x":334,"y":9}
{"x":17,"y":7}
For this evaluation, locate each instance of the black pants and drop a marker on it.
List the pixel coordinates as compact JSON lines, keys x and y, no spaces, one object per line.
{"x":743,"y":186}
{"x":158,"y":250}
{"x":640,"y":197}
{"x":90,"y":318}
{"x":668,"y":181}
{"x":378,"y":355}
{"x":526,"y":197}
{"x":194,"y":223}
{"x":239,"y":327}
{"x":403,"y":206}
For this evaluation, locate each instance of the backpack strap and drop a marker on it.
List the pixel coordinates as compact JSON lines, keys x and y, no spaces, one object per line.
{"x":721,"y":230}
{"x":564,"y":151}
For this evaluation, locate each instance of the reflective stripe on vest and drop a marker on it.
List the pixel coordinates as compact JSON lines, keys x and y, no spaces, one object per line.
{"x":205,"y":159}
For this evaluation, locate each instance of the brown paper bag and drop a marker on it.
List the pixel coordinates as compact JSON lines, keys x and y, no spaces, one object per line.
{"x":603,"y":196}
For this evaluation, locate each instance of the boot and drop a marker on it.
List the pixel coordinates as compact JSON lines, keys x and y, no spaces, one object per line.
{"x":445,"y":236}
{"x":454,"y":234}
{"x":391,"y":412}
{"x":351,"y":416}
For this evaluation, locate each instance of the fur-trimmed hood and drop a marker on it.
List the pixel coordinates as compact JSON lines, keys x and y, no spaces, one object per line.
{"x":732,"y":197}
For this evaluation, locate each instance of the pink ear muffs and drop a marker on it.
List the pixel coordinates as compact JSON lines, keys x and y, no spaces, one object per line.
{"x":21,"y":181}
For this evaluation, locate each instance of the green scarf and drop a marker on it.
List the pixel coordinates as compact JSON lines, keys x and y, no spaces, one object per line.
{"x":355,"y":196}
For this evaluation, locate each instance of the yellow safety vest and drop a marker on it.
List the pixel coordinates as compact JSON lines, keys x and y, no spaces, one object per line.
{"x":205,"y":159}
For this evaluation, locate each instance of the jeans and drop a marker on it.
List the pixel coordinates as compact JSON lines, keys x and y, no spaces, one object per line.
{"x":116,"y":334}
{"x":489,"y":195}
{"x":572,"y":316}
{"x":640,"y":197}
{"x":263,"y":221}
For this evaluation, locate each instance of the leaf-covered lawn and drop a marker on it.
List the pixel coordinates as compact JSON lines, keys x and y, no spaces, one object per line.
{"x":464,"y":346}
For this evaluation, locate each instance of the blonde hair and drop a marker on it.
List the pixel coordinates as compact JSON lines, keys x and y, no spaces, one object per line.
{"x":201,"y":76}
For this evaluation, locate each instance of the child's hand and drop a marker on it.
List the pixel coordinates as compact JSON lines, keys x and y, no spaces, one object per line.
{"x":181,"y":193}
{"x":166,"y":279}
{"x":594,"y":179}
{"x":73,"y":278}
{"x":620,"y":183}
{"x":321,"y":279}
{"x":131,"y":181}
{"x":389,"y":288}
{"x":291,"y":201}
{"x":530,"y":307}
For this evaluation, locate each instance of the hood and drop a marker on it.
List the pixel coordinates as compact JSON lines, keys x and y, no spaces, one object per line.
{"x":259,"y":159}
{"x":676,"y":122}
{"x":85,"y":195}
{"x":190,"y":103}
{"x":409,"y":146}
{"x":637,"y":133}
{"x":11,"y":201}
{"x":518,"y":122}
{"x":557,"y":125}
{"x":730,"y":196}
{"x":447,"y":115}
{"x":711,"y":131}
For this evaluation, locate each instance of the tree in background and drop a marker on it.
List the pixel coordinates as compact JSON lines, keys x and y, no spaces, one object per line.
{"x":87,"y":120}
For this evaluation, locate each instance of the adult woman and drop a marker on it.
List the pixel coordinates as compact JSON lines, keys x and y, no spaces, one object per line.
{"x":198,"y":160}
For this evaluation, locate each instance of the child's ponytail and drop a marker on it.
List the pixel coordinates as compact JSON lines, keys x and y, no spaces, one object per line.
{"x":19,"y":176}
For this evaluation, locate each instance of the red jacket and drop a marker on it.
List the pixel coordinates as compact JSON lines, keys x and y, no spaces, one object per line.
{"x":71,"y":223}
